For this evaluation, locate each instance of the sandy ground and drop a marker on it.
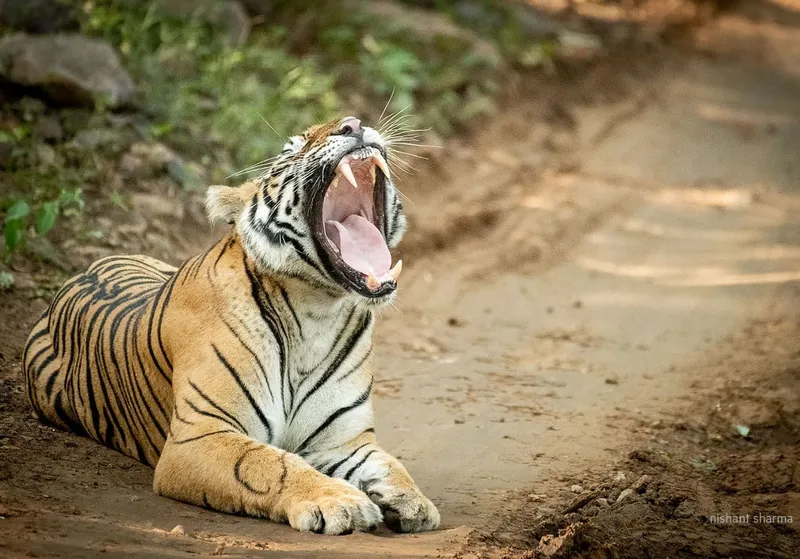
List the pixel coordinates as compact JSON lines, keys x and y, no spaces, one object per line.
{"x":601,"y":285}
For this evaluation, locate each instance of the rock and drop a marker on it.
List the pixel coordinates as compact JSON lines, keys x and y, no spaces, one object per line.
{"x":4,"y":511}
{"x":147,"y":160}
{"x":227,"y":14}
{"x":40,"y":16}
{"x":602,"y":502}
{"x":578,"y":46}
{"x":131,"y":167}
{"x":152,"y":205}
{"x":46,"y":155}
{"x":178,"y":530}
{"x":560,"y":545}
{"x":684,"y":510}
{"x":48,"y":129}
{"x":641,"y":484}
{"x":625,"y":495}
{"x":576,"y":488}
{"x":106,"y":140}
{"x":70,"y":68}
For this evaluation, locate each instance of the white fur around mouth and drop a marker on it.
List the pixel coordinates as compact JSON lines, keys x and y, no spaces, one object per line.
{"x":349,"y":218}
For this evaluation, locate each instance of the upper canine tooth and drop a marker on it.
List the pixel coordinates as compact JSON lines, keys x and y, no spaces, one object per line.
{"x":380,"y":162}
{"x":344,"y":169}
{"x":395,"y":272}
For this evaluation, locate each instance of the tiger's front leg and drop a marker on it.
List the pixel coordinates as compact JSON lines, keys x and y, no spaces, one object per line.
{"x":365,"y":465}
{"x":218,"y":468}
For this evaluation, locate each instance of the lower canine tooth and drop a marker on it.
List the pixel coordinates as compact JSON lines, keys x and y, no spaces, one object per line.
{"x":395,"y":272}
{"x":372,"y":281}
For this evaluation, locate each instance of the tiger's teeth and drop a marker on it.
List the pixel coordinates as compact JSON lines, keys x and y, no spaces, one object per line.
{"x":395,"y":272}
{"x":380,"y":162}
{"x":372,"y":174}
{"x":372,"y":281}
{"x":335,"y":182}
{"x":347,"y":172}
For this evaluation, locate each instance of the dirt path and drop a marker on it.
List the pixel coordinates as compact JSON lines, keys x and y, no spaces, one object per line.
{"x":582,"y":280}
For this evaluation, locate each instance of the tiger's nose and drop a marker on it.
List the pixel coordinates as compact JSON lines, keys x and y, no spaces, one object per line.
{"x":350,"y":125}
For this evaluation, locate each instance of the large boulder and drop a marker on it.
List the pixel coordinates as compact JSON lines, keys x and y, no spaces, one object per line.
{"x":70,"y":68}
{"x":40,"y":16}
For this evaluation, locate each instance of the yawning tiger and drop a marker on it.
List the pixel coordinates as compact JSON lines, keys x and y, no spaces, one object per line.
{"x":243,"y":376}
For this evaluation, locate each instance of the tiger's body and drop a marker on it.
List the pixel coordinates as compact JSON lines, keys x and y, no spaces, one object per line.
{"x":244,"y":381}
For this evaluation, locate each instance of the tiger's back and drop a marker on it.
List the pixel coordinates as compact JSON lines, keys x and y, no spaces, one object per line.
{"x":94,"y":363}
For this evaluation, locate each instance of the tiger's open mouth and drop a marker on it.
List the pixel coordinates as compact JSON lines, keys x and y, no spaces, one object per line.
{"x":351,"y":227}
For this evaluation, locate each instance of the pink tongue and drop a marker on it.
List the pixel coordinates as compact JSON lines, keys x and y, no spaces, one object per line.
{"x":360,"y":244}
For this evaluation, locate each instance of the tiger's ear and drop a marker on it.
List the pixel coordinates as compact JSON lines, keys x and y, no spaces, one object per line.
{"x":226,"y":203}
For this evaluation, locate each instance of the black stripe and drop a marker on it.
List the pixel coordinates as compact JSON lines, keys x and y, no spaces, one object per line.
{"x":203,"y":436}
{"x":237,"y":472}
{"x":291,"y":309}
{"x":344,"y":353}
{"x":253,"y":354}
{"x":246,"y":392}
{"x":198,"y":411}
{"x":335,"y":415}
{"x":332,"y":469}
{"x":352,"y":470}
{"x":217,"y":407}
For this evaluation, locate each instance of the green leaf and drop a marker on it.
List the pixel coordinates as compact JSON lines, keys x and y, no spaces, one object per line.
{"x":17,"y":210}
{"x":46,"y":217}
{"x":14,"y":234}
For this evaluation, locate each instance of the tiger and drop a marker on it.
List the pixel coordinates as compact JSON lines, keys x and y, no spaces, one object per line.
{"x":244,"y":375}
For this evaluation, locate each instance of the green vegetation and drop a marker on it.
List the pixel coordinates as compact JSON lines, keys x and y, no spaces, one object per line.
{"x":215,"y":102}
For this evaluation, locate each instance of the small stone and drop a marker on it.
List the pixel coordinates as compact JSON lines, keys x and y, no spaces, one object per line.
{"x":46,"y":155}
{"x":640,"y":484}
{"x":131,"y":167}
{"x":612,"y":380}
{"x":458,"y":421}
{"x":626,"y":494}
{"x":576,"y":488}
{"x":455,"y":322}
{"x":178,"y":530}
{"x":48,"y":129}
{"x":684,"y":510}
{"x":4,"y":511}
{"x":150,"y":205}
{"x":602,"y":502}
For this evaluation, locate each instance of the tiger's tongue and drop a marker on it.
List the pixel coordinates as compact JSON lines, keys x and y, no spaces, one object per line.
{"x":361,"y":245}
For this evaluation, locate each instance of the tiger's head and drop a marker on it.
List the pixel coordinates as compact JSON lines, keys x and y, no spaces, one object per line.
{"x":326,"y":211}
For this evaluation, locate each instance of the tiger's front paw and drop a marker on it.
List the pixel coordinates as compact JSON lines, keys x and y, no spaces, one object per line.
{"x":406,"y":510}
{"x":335,"y":507}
